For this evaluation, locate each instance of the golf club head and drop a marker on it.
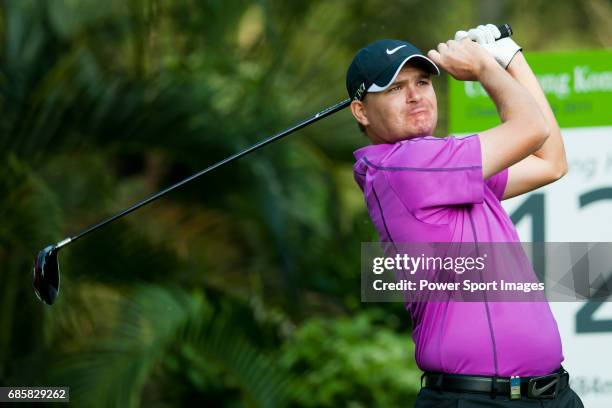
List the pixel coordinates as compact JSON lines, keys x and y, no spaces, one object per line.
{"x":47,"y":274}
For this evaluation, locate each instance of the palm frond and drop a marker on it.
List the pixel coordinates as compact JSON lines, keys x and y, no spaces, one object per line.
{"x":153,"y":324}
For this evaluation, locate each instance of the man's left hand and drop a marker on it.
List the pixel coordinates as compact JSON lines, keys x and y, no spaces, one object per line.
{"x":503,"y":50}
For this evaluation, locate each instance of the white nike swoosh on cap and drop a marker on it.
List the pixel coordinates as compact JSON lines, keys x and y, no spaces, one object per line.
{"x":395,"y":49}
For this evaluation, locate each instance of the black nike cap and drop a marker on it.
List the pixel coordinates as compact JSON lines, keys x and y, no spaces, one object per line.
{"x":376,"y":66}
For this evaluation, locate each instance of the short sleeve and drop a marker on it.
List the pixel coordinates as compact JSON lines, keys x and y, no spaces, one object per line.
{"x":433,"y":172}
{"x":497,"y":183}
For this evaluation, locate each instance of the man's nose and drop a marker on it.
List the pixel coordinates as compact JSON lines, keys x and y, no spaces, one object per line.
{"x":412,"y":94}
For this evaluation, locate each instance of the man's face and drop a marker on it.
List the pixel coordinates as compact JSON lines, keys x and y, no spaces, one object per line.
{"x":407,"y":109}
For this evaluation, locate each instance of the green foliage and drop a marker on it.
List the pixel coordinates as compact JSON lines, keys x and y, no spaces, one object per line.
{"x":177,"y":339}
{"x":355,"y":361}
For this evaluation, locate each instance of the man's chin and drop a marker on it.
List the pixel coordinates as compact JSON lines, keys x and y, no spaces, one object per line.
{"x":415,"y":134}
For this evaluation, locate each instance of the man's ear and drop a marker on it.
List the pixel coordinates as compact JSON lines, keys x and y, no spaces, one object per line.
{"x":359,"y":113}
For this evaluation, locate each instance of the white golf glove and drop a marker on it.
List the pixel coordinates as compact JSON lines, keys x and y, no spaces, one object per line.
{"x":503,"y":50}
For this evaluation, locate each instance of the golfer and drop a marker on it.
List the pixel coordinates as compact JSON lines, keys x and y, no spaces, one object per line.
{"x":420,"y":188}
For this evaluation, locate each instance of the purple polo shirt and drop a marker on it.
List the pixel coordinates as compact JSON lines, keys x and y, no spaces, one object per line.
{"x":430,"y":189}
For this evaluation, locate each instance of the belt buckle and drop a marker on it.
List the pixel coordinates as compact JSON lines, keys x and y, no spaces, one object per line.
{"x":541,"y":393}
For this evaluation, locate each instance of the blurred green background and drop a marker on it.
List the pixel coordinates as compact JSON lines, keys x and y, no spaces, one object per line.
{"x":241,"y":289}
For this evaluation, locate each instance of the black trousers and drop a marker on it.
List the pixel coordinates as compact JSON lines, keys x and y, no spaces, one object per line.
{"x":429,"y":398}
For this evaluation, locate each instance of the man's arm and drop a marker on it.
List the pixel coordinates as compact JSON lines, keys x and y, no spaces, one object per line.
{"x":523,"y":129}
{"x":548,"y":163}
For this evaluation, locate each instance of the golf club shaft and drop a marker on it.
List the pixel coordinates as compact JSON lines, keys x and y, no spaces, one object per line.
{"x":505,"y":30}
{"x":326,"y":112}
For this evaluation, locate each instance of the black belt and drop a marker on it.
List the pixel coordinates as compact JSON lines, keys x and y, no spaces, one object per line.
{"x":542,"y":387}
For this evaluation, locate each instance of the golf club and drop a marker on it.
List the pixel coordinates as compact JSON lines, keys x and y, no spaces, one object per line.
{"x":46,"y":265}
{"x":46,"y":277}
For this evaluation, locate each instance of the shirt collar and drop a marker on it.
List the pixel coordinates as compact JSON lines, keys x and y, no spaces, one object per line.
{"x":373,"y":150}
